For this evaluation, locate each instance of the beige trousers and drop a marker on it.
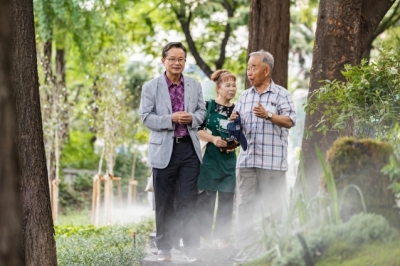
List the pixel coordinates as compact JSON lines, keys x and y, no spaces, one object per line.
{"x":260,"y":194}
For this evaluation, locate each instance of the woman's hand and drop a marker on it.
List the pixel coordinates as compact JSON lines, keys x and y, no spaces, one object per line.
{"x":219,"y":142}
{"x":233,"y":116}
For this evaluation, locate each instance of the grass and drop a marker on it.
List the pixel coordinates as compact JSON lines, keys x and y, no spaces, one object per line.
{"x":74,"y":218}
{"x":373,"y":254}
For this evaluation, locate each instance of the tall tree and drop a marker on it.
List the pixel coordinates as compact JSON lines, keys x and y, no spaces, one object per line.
{"x":10,"y":201}
{"x":344,"y":30}
{"x":269,"y":28}
{"x":38,"y":232}
{"x":208,"y":27}
{"x":390,"y":20}
{"x":185,"y":12}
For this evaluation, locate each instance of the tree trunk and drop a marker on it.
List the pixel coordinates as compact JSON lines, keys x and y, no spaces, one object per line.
{"x":38,"y":238}
{"x":63,"y":95}
{"x":11,"y":252}
{"x":269,"y":28}
{"x":344,"y":29}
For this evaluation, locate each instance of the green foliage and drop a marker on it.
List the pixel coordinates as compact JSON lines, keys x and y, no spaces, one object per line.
{"x":72,"y":200}
{"x":75,"y":218}
{"x":351,"y":156}
{"x":347,"y":254}
{"x":356,"y":166}
{"x":367,"y":104}
{"x":331,"y":186}
{"x":136,"y":76}
{"x":317,"y":220}
{"x":79,"y":151}
{"x":123,"y":167}
{"x":82,"y":231}
{"x":207,"y":21}
{"x":111,"y":245}
{"x":359,"y":230}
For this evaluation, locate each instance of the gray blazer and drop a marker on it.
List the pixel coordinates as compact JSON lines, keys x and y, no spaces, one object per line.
{"x":155,"y":111}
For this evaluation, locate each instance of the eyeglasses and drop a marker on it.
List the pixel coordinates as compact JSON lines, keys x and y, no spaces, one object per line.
{"x":173,"y":60}
{"x":254,"y":68}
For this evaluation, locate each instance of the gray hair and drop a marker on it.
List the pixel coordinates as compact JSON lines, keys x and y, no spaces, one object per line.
{"x":265,"y":56}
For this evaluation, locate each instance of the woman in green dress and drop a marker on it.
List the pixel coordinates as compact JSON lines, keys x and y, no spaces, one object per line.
{"x":217,"y":173}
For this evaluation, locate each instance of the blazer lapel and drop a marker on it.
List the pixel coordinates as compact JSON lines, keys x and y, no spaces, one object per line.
{"x":163,"y":90}
{"x":187,"y":91}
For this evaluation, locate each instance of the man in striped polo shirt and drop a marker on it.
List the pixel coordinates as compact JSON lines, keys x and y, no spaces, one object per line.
{"x":267,"y":113}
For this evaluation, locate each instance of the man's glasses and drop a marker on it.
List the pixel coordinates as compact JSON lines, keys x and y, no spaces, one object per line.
{"x":173,"y":60}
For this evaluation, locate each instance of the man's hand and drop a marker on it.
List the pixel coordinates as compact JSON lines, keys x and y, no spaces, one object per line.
{"x":234,"y":115}
{"x":181,"y":117}
{"x":260,"y":111}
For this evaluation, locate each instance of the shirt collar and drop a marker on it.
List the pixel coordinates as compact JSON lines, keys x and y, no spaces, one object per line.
{"x":272,"y":88}
{"x":169,"y":83}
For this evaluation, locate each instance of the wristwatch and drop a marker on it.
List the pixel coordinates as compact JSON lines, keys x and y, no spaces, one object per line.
{"x":269,"y":116}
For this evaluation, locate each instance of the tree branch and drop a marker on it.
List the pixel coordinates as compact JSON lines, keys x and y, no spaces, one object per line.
{"x":185,"y":25}
{"x":387,"y":23}
{"x":372,"y":14}
{"x":230,"y":10}
{"x":155,"y":8}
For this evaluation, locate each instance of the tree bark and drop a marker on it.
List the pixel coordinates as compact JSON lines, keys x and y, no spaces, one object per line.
{"x":11,"y":252}
{"x":38,"y":232}
{"x":344,"y":29}
{"x":269,"y":28}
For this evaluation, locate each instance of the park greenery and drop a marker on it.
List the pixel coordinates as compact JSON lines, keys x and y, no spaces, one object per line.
{"x":366,"y":105}
{"x":93,"y":58}
{"x":107,"y":245}
{"x":315,"y":231}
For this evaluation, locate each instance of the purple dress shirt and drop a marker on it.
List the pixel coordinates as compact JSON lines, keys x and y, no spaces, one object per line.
{"x":176,"y":92}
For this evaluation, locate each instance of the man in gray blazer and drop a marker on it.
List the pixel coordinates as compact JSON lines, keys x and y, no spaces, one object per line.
{"x":172,"y":107}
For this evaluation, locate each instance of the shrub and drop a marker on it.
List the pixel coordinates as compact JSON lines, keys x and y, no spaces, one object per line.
{"x":359,"y":163}
{"x":87,"y":245}
{"x":360,"y":229}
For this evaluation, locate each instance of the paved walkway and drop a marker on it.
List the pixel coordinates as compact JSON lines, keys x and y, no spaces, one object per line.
{"x":210,"y":256}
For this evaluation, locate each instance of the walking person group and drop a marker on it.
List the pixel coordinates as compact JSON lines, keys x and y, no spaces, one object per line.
{"x":187,"y":185}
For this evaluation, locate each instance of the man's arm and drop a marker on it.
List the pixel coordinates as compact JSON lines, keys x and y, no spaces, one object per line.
{"x":287,"y":116}
{"x":281,"y":120}
{"x":146,"y":112}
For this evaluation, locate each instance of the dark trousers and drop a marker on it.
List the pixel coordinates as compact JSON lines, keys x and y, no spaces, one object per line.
{"x":205,"y":214}
{"x":178,"y":181}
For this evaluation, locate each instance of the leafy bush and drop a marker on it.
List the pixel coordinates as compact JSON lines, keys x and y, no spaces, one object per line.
{"x":356,"y":163}
{"x":79,"y":152}
{"x":71,"y":200}
{"x":111,"y":245}
{"x":360,"y":229}
{"x":313,"y":226}
{"x":367,"y":104}
{"x":78,"y":197}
